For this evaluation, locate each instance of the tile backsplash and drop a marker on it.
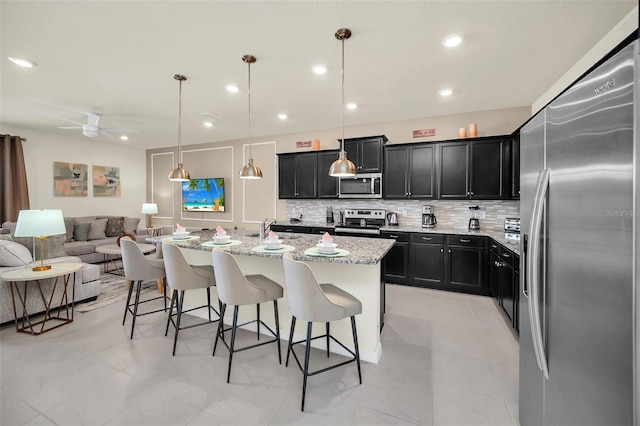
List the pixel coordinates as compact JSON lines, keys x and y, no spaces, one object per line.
{"x":449,"y":213}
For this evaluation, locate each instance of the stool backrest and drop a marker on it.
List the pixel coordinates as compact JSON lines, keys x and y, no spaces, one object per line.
{"x":305,"y":297}
{"x":136,"y":266}
{"x":180,"y":275}
{"x":233,"y":288}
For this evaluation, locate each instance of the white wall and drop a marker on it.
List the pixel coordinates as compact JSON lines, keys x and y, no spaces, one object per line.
{"x":42,"y":149}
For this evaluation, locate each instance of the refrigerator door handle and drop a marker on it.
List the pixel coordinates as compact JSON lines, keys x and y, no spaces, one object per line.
{"x":525,"y":278}
{"x":533,"y":271}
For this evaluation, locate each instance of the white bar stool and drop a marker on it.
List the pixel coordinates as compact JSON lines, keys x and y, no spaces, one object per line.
{"x":237,"y":289}
{"x":313,"y":302}
{"x":183,"y":277}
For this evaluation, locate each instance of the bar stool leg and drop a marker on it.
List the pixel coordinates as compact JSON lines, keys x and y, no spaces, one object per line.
{"x":135,"y":307}
{"x":180,"y":305}
{"x":355,"y":342}
{"x":258,"y":322}
{"x":223,"y":308}
{"x":233,"y":339}
{"x":164,"y":292}
{"x":126,"y":307}
{"x":275,"y":310}
{"x":327,"y":339}
{"x":306,"y":363}
{"x":174,"y":295}
{"x":209,"y":302}
{"x":289,"y":346}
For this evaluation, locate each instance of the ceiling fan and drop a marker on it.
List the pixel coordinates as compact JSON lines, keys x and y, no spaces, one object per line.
{"x":90,"y":128}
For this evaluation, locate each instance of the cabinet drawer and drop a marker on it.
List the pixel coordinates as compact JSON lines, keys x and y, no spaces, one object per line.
{"x":401,"y":237}
{"x":420,"y":238}
{"x":318,"y":230}
{"x":465,"y":240}
{"x":507,"y":256}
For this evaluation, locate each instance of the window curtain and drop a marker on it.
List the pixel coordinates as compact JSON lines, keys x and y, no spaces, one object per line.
{"x":14,"y":193}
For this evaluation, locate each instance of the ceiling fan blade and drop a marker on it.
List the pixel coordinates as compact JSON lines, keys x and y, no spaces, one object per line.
{"x":93,"y":119}
{"x":116,"y":129}
{"x":58,"y":117}
{"x":70,"y":127}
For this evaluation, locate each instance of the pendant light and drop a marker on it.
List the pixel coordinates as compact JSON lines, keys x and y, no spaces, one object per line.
{"x":342,"y":167}
{"x":179,"y":174}
{"x":250,"y":170}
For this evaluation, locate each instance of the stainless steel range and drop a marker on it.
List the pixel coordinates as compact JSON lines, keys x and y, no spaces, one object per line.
{"x":362,"y":221}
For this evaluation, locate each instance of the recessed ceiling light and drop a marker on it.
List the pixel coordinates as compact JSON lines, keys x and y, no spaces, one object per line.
{"x":208,"y":124}
{"x":452,"y":40}
{"x":446,"y":92}
{"x":124,"y":138}
{"x":231,"y":88}
{"x":23,"y":62}
{"x":319,"y":69}
{"x":351,"y":105}
{"x":282,"y":116}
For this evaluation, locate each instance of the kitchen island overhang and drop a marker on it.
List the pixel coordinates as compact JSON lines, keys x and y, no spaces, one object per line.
{"x":360,"y":273}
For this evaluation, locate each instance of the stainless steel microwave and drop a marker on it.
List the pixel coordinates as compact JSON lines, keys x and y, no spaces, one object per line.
{"x":366,"y":185}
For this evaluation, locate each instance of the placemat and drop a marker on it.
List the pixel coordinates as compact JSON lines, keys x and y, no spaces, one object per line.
{"x":313,"y":251}
{"x":214,"y":244}
{"x":285,"y":248}
{"x":177,"y":240}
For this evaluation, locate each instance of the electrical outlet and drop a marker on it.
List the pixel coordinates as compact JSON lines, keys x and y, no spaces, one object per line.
{"x":482,"y":214}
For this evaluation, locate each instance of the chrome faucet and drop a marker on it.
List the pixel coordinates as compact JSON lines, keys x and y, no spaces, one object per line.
{"x":264,"y":226}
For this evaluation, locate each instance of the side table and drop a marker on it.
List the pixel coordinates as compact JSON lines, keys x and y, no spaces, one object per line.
{"x":113,"y":251}
{"x":27,"y":276}
{"x":154,"y":231}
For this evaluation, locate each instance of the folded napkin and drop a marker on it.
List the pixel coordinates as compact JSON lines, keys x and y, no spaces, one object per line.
{"x":272,"y":235}
{"x":326,"y":237}
{"x":220,"y":230}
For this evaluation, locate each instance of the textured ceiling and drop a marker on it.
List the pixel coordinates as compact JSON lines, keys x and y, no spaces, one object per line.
{"x":118,"y":59}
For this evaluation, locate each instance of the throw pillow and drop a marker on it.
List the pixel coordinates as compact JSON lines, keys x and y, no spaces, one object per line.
{"x":51,"y":247}
{"x":131,"y":225}
{"x":68,"y":225}
{"x":14,"y":254}
{"x":97,"y":230}
{"x":115,"y":225}
{"x":81,"y":231}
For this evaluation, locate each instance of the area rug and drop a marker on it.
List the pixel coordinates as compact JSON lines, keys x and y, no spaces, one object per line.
{"x":114,"y":288}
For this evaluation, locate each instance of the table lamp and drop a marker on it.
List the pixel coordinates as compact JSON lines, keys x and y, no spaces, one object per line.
{"x":149,"y":209}
{"x":40,"y":224}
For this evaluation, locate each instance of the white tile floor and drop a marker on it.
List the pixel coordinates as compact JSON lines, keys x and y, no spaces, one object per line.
{"x":448,"y":359}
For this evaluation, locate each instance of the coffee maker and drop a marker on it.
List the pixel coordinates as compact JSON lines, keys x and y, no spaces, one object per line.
{"x":428,"y":217}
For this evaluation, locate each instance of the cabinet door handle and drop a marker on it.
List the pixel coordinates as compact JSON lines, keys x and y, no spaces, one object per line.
{"x":449,"y":251}
{"x":471,"y":193}
{"x":441,"y":250}
{"x":427,"y":238}
{"x":506,"y":255}
{"x":409,"y":194}
{"x":395,"y":237}
{"x":464,"y":240}
{"x":495,"y":246}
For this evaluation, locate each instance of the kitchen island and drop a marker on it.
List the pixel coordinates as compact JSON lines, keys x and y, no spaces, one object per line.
{"x":360,"y":273}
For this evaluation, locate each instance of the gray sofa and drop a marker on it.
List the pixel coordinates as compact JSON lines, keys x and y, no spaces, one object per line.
{"x":103,"y":230}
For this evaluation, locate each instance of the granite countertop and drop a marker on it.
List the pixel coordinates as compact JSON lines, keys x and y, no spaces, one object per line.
{"x":496,"y":234}
{"x":363,"y":251}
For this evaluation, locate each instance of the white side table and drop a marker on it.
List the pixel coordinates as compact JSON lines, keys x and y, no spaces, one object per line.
{"x":113,"y":251}
{"x":27,"y":276}
{"x":150,"y":232}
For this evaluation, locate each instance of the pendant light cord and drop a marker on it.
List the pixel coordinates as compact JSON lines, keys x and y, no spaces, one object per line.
{"x":342,"y":74}
{"x":179,"y":121}
{"x":249,"y":94}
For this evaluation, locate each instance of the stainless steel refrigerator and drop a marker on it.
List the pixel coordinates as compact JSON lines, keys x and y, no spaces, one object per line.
{"x":578,"y":308}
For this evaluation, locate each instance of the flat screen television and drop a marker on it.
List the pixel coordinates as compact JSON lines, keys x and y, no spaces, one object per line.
{"x":203,"y":195}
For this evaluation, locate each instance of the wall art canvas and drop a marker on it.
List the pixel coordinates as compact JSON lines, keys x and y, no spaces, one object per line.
{"x":70,"y":179}
{"x":106,"y":181}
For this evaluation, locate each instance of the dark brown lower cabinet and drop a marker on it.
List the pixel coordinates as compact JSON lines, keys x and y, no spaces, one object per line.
{"x":505,"y":281}
{"x":426,"y":261}
{"x":396,"y":262}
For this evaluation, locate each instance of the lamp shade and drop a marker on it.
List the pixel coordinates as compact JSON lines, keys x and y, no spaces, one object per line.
{"x":149,"y":208}
{"x":250,"y":171}
{"x":39,"y":223}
